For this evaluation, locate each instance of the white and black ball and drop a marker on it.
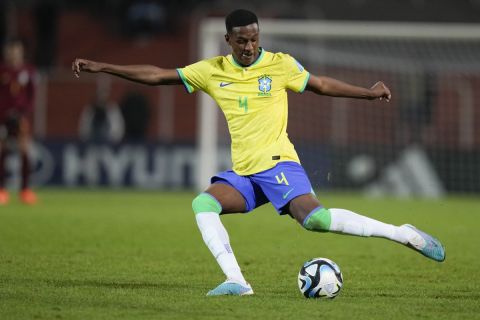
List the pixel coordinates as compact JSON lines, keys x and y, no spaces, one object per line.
{"x":320,"y":278}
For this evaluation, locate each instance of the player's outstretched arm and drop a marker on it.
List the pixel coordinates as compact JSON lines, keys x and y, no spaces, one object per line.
{"x":336,"y":88}
{"x":145,"y":74}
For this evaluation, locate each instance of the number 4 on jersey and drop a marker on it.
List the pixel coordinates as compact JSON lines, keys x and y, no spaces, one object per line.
{"x":243,"y":103}
{"x":282,"y":178}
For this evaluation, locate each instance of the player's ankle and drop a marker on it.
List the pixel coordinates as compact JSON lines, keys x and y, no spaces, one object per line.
{"x":243,"y":282}
{"x":410,"y":236}
{"x":401,"y":234}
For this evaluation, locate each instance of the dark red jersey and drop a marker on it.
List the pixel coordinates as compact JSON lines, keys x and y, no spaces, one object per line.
{"x":17,"y":90}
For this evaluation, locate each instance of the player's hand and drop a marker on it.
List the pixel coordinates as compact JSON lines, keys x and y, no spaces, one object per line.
{"x":80,"y":65}
{"x":381,"y":91}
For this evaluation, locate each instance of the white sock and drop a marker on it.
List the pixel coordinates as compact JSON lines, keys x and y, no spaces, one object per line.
{"x":216,"y":238}
{"x":349,"y":222}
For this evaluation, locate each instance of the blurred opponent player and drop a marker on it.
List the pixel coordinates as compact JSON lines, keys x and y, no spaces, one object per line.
{"x":16,"y":104}
{"x":250,"y":86}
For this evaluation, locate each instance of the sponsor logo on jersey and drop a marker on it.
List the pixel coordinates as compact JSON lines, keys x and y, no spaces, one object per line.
{"x":224,"y":84}
{"x":285,"y":195}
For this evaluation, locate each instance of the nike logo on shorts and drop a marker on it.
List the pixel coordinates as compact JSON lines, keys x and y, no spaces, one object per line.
{"x":224,"y":84}
{"x":285,"y":195}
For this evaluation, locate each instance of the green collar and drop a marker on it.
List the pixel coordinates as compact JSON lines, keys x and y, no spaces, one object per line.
{"x":260,"y":56}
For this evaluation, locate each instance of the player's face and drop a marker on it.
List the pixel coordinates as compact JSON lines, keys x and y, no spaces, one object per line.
{"x":244,"y":43}
{"x":13,"y":54}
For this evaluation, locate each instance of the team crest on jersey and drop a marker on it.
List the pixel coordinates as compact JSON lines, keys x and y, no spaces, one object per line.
{"x":264,"y":85}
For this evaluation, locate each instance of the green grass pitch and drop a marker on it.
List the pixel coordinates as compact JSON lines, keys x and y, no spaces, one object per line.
{"x":138,"y":255}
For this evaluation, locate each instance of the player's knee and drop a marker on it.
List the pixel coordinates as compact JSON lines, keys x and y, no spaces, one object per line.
{"x":318,"y":220}
{"x":205,"y":202}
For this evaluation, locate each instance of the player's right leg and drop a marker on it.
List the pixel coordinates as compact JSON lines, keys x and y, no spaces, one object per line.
{"x":4,"y":196}
{"x":221,"y":198}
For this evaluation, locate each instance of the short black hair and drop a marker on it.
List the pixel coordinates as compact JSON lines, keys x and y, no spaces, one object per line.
{"x":13,"y":41}
{"x":240,"y":18}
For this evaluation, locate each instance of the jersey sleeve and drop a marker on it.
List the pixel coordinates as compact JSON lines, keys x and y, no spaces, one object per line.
{"x":297,"y":76}
{"x":195,"y":76}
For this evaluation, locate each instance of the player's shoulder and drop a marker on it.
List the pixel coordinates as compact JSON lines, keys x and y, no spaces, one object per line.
{"x":208,"y":65}
{"x":214,"y":61}
{"x":30,"y":67}
{"x":278,"y":57}
{"x":287,"y":61}
{"x":6,"y":68}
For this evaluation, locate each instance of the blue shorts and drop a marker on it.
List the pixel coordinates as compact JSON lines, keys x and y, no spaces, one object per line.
{"x":278,"y":185}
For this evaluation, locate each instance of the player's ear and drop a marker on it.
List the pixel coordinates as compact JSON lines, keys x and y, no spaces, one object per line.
{"x":227,"y":37}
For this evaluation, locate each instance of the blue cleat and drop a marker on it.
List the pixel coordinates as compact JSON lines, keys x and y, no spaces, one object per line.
{"x":231,"y":288}
{"x":426,"y":244}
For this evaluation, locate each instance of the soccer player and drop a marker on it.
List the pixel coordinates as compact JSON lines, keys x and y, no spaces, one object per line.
{"x":17,"y":91}
{"x":250,"y":86}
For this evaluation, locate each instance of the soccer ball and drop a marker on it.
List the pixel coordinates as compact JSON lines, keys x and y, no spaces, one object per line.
{"x":320,"y":278}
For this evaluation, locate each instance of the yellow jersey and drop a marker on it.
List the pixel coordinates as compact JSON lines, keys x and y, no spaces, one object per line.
{"x":254,"y":102}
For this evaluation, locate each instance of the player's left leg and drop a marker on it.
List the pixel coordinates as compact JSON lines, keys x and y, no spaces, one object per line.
{"x":4,"y":196}
{"x":289,"y":190}
{"x":308,"y":212}
{"x":27,"y":195}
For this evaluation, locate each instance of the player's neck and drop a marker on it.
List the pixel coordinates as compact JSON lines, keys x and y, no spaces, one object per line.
{"x":259,"y":54}
{"x":15,"y":65}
